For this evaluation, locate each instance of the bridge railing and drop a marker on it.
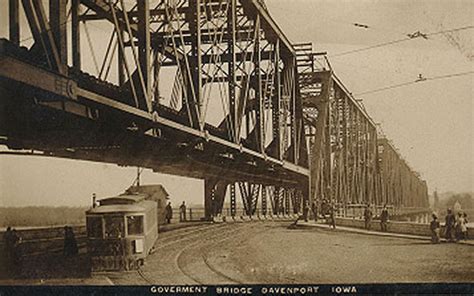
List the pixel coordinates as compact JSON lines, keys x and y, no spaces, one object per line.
{"x":357,"y":211}
{"x":195,"y":214}
{"x":40,"y":240}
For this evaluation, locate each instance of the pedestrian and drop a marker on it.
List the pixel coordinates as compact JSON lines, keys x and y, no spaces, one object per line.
{"x":367,"y":217}
{"x":15,"y":242}
{"x":182,"y":212}
{"x":306,"y":210}
{"x":324,"y":208}
{"x":8,"y":247}
{"x":332,"y":218}
{"x":461,"y":226}
{"x":168,"y":213}
{"x":70,"y":242}
{"x":464,"y":229}
{"x":74,"y":248}
{"x":458,"y":225}
{"x":450,"y":221}
{"x":434,"y":227}
{"x":384,"y":219}
{"x":314,"y":209}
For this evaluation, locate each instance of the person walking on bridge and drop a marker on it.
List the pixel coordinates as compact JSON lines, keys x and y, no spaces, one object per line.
{"x":384,"y":219}
{"x":70,"y":242}
{"x":12,"y":246}
{"x":434,"y":227}
{"x":461,"y":226}
{"x":8,"y":246}
{"x":332,"y":215}
{"x":182,"y":212}
{"x":449,"y":225}
{"x":306,"y":209}
{"x":367,"y":217}
{"x":464,"y":228}
{"x":168,"y":213}
{"x":314,"y":209}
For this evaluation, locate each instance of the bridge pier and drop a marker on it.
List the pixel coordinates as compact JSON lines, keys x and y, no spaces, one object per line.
{"x":256,"y":199}
{"x":214,"y":196}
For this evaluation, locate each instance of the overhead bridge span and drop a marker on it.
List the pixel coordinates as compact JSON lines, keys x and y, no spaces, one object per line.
{"x":205,"y":89}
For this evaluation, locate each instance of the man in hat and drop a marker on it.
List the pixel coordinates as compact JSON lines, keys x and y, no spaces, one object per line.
{"x":168,"y":213}
{"x":314,"y":209}
{"x":182,"y":212}
{"x":450,"y":222}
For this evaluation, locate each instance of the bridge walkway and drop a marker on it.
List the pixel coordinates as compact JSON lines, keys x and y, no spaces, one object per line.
{"x":375,"y":231}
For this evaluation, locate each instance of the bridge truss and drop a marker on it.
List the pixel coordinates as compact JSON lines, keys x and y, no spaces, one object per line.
{"x":210,"y":89}
{"x":351,"y":163}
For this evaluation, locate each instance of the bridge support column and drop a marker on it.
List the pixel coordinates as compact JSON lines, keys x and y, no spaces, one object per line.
{"x":14,"y":21}
{"x":75,"y":35}
{"x":144,"y":55}
{"x":264,"y":200}
{"x":58,"y":24}
{"x":214,"y":195}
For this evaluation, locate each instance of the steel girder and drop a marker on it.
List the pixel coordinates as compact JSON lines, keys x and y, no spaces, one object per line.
{"x":400,"y":185}
{"x":347,"y":167}
{"x":229,"y":54}
{"x":253,"y":197}
{"x":221,"y":54}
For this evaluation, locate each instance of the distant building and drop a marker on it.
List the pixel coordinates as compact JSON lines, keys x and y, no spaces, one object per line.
{"x":156,"y":193}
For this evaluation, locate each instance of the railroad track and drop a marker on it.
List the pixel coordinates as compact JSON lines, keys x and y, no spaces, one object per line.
{"x":187,"y":260}
{"x":205,"y":269}
{"x":182,"y":238}
{"x":184,"y":235}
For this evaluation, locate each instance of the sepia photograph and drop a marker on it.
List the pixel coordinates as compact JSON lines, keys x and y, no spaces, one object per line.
{"x":236,"y":147}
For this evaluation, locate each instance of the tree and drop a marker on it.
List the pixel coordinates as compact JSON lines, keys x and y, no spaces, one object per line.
{"x":465,"y":199}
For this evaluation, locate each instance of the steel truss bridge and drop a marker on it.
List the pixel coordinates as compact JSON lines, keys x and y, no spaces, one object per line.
{"x":210,"y":89}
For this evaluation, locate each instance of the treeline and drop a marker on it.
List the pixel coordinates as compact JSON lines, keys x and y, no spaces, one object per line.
{"x":41,"y":216}
{"x":466,"y":200}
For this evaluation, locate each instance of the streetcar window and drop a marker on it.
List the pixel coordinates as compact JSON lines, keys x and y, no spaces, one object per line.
{"x":135,"y":225}
{"x":94,"y":227}
{"x":114,"y":226}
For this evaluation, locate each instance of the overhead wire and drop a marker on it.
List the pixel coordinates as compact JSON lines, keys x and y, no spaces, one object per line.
{"x":398,"y":41}
{"x":415,"y":82}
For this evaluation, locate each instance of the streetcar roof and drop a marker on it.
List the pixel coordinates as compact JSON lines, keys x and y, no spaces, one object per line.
{"x":142,"y":206}
{"x":116,"y":209}
{"x":123,"y":199}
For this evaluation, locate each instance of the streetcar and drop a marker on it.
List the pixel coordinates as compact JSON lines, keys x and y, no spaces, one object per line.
{"x":121,"y":232}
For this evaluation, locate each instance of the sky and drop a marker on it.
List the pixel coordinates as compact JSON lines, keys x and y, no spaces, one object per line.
{"x":430,"y":122}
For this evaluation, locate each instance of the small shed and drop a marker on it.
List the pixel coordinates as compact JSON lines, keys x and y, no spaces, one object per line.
{"x":156,"y":193}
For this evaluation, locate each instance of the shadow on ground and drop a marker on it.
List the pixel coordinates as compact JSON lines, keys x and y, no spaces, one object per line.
{"x":48,"y":266}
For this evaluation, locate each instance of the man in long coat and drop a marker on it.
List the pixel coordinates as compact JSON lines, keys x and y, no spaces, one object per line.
{"x":168,"y":213}
{"x":450,"y":222}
